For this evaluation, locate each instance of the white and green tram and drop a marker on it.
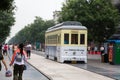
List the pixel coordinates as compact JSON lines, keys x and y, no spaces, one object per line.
{"x":66,"y":41}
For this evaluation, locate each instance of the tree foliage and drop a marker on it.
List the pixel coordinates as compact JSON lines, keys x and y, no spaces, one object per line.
{"x":99,"y":16}
{"x":6,"y":21}
{"x":7,"y":5}
{"x":34,"y":32}
{"x":6,"y":18}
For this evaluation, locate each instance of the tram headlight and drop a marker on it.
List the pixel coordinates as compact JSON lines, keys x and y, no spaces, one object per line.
{"x":81,"y":52}
{"x":66,"y":53}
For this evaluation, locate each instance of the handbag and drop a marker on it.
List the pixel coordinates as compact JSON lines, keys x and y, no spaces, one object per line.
{"x":24,"y":67}
{"x":8,"y":73}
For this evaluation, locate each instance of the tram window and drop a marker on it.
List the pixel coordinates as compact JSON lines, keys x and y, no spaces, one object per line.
{"x":74,"y":38}
{"x":82,"y":38}
{"x":66,"y":38}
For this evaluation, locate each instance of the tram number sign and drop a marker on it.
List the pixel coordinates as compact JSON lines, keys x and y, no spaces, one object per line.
{"x":74,"y":50}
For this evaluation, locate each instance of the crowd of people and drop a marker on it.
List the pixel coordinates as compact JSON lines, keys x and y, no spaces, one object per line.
{"x":96,"y":49}
{"x":20,"y":53}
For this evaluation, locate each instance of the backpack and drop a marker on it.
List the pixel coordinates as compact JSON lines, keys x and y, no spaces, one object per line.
{"x":18,"y":57}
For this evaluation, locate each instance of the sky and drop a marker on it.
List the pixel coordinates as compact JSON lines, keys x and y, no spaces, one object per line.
{"x":27,"y":10}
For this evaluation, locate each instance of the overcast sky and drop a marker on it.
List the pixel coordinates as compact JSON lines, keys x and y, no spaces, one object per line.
{"x":28,"y":9}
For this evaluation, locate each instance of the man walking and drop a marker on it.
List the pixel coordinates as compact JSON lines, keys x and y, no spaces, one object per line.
{"x":28,"y":50}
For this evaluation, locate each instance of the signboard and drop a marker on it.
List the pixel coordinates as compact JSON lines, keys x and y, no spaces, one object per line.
{"x":110,"y":51}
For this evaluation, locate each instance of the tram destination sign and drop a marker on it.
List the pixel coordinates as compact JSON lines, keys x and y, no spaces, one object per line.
{"x":74,"y":50}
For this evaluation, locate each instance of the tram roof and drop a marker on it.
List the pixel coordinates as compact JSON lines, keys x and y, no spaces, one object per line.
{"x":67,"y":25}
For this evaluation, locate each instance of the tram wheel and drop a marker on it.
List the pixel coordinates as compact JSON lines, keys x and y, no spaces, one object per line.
{"x":47,"y":56}
{"x":55,"y":58}
{"x":111,"y":63}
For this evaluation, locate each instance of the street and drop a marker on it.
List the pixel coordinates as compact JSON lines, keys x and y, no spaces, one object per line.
{"x":95,"y":65}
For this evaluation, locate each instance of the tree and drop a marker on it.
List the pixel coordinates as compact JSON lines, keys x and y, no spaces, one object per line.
{"x":99,"y":16}
{"x":6,"y":5}
{"x":6,"y":18}
{"x":6,"y":21}
{"x":34,"y":32}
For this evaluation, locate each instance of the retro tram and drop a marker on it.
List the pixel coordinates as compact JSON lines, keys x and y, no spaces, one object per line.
{"x":66,"y":41}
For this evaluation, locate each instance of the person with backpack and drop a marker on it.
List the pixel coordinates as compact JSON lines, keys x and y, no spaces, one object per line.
{"x":18,"y":59}
{"x":2,"y":59}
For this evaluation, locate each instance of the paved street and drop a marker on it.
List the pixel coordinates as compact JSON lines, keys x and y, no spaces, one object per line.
{"x":57,"y":71}
{"x":95,"y":65}
{"x":2,"y":72}
{"x":101,"y":68}
{"x":61,"y":71}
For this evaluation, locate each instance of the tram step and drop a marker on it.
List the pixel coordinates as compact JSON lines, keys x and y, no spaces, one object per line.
{"x":73,"y":62}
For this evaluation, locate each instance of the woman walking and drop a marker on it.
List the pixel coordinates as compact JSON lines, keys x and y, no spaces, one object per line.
{"x":18,"y":59}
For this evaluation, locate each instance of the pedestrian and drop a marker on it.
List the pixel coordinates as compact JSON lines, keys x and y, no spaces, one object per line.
{"x":95,"y":49}
{"x":5,"y":49}
{"x":18,"y":59}
{"x":2,"y":59}
{"x":102,"y":49}
{"x":10,"y":49}
{"x":88,"y":48}
{"x":28,"y":50}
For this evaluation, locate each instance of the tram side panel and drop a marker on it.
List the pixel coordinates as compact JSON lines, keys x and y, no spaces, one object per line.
{"x":51,"y":45}
{"x":50,"y":52}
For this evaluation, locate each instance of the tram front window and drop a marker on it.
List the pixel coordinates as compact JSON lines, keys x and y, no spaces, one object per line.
{"x":74,"y":38}
{"x":66,"y":38}
{"x":82,"y":38}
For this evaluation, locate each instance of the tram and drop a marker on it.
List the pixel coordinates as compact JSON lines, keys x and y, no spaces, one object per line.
{"x":66,"y":41}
